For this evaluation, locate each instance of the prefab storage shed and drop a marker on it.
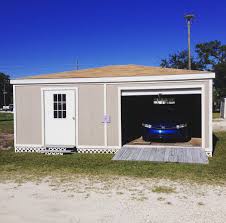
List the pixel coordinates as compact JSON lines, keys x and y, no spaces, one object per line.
{"x":100,"y":109}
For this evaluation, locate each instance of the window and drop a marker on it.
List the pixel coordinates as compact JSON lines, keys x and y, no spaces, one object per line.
{"x":59,"y":105}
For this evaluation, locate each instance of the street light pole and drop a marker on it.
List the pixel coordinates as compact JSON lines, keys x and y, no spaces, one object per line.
{"x":189,"y":18}
{"x":77,"y":64}
{"x":4,"y":94}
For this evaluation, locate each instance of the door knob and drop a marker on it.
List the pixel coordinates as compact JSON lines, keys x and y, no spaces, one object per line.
{"x":73,"y":118}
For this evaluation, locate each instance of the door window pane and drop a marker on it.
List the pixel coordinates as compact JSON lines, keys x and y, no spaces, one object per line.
{"x":55,"y":114}
{"x":59,"y":106}
{"x":64,"y":97}
{"x":59,"y":114}
{"x":64,"y":106}
{"x":64,"y":114}
{"x":55,"y":106}
{"x":55,"y":97}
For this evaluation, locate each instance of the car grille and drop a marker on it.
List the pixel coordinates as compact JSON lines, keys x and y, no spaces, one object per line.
{"x":162,"y":127}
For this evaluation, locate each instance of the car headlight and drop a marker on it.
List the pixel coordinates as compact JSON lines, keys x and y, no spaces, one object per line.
{"x":147,"y":125}
{"x":181,"y":126}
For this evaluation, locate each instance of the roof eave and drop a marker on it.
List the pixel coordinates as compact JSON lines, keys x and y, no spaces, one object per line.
{"x":115,"y":79}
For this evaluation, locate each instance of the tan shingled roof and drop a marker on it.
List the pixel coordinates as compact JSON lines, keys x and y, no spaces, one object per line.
{"x":117,"y":71}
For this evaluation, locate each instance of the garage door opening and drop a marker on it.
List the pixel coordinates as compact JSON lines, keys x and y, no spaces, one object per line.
{"x":147,"y":119}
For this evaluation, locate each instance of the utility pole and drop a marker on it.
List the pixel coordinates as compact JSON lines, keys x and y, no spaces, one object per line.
{"x":4,"y":93}
{"x":189,"y":18}
{"x":77,"y":64}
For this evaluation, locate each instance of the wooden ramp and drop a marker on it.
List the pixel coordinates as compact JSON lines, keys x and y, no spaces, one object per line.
{"x":175,"y":155}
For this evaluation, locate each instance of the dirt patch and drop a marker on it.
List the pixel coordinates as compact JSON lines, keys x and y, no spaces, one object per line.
{"x":6,"y":141}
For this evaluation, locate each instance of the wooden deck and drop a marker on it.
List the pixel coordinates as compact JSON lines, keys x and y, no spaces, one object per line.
{"x":175,"y":155}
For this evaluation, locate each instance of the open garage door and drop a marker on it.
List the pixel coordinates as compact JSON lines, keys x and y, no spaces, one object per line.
{"x":165,"y":113}
{"x":142,"y":92}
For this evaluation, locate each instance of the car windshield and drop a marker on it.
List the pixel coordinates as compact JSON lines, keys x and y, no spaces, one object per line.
{"x":164,"y":113}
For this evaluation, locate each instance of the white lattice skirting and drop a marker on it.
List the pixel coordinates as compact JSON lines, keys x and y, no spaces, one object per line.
{"x":24,"y":149}
{"x":97,"y":150}
{"x":61,"y":150}
{"x":55,"y":150}
{"x":50,"y":150}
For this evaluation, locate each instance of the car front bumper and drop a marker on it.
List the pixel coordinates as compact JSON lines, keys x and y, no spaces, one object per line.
{"x":150,"y":134}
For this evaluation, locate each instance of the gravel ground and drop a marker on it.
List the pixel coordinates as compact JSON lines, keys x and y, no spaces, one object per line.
{"x":219,"y":125}
{"x":111,"y":200}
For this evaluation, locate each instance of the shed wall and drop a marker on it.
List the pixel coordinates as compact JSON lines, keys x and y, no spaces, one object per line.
{"x":91,"y":113}
{"x":29,"y":114}
{"x":91,"y":130}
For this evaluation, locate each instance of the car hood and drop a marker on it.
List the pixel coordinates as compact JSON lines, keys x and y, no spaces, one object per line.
{"x":165,"y":123}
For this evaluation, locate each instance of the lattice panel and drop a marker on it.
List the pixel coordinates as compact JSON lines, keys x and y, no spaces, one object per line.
{"x":24,"y":149}
{"x":54,"y":153}
{"x":56,"y":149}
{"x":61,"y":150}
{"x":96,"y":150}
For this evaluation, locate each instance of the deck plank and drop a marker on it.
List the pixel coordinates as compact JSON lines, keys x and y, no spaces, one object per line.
{"x":166,"y":155}
{"x":134,"y":154}
{"x":180,"y":155}
{"x":118,"y":155}
{"x":140,"y":154}
{"x":145,"y":155}
{"x":126,"y":155}
{"x":188,"y":156}
{"x":204,"y":157}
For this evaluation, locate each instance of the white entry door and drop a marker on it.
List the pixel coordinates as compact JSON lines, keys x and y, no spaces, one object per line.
{"x":59,"y":109}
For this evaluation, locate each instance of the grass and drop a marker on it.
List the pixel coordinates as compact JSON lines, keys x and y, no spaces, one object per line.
{"x":216,"y":115}
{"x":6,"y":122}
{"x":38,"y":165}
{"x":33,"y":165}
{"x":163,"y":189}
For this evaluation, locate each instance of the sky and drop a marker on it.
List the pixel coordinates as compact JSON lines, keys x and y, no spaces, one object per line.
{"x":46,"y":36}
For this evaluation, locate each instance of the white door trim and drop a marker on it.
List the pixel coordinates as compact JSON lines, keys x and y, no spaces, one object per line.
{"x":105,"y":113}
{"x":210,"y":116}
{"x":14,"y":114}
{"x":201,"y":86}
{"x":43,"y":110}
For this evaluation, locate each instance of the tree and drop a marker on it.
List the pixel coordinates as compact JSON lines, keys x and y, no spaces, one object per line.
{"x":180,"y":61}
{"x":220,"y":80}
{"x":210,"y":56}
{"x":4,"y":80}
